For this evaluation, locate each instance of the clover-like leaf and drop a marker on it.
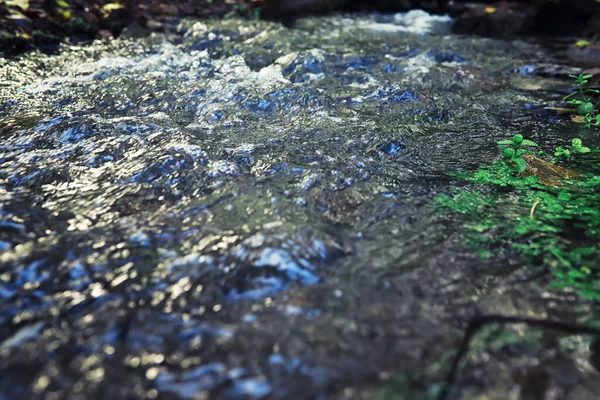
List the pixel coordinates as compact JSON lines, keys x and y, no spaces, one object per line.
{"x":585,"y":108}
{"x":579,"y":147}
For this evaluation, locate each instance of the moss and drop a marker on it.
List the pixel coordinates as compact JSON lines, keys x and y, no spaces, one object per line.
{"x":43,"y":37}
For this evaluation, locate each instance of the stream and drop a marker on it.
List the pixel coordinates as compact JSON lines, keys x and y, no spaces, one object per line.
{"x":242,"y":210}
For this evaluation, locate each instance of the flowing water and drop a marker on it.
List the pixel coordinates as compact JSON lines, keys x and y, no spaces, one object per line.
{"x":242,"y":210}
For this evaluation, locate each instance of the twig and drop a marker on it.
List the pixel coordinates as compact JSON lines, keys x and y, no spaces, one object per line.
{"x":479,"y":321}
{"x":533,"y":208}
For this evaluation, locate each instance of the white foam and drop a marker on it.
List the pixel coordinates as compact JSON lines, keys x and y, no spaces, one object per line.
{"x":414,"y":21}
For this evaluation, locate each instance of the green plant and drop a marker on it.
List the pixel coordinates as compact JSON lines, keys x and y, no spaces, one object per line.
{"x":513,"y":150}
{"x":567,"y":152}
{"x":553,"y":226}
{"x":586,"y":107}
{"x":245,"y":11}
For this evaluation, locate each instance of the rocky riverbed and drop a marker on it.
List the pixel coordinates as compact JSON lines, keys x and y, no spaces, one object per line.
{"x":243,"y":210}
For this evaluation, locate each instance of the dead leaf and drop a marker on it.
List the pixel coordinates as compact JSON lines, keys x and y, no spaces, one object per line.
{"x":65,"y":14}
{"x":168,"y":9}
{"x":111,"y":7}
{"x":549,"y":174}
{"x":22,"y":4}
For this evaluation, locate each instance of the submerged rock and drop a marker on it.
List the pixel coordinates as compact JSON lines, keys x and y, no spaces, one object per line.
{"x":509,"y":18}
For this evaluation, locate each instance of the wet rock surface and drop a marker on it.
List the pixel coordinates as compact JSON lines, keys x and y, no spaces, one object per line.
{"x":243,"y":210}
{"x":45,"y":24}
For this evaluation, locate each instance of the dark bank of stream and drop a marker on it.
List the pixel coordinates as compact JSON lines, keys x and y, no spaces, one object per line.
{"x":242,"y":210}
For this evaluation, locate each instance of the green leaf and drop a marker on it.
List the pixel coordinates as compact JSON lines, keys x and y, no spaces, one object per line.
{"x":517,"y":139}
{"x":585,"y":108}
{"x":531,"y":180}
{"x":574,"y":101}
{"x":573,"y":273}
{"x":559,"y":151}
{"x":521,"y":165}
{"x":508,"y":152}
{"x":584,"y":149}
{"x":584,"y":251}
{"x":558,"y":255}
{"x":62,"y":3}
{"x":555,"y":208}
{"x":564,"y":196}
{"x":506,"y":142}
{"x":581,"y":79}
{"x":576,"y":142}
{"x":578,"y":202}
{"x":529,"y":143}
